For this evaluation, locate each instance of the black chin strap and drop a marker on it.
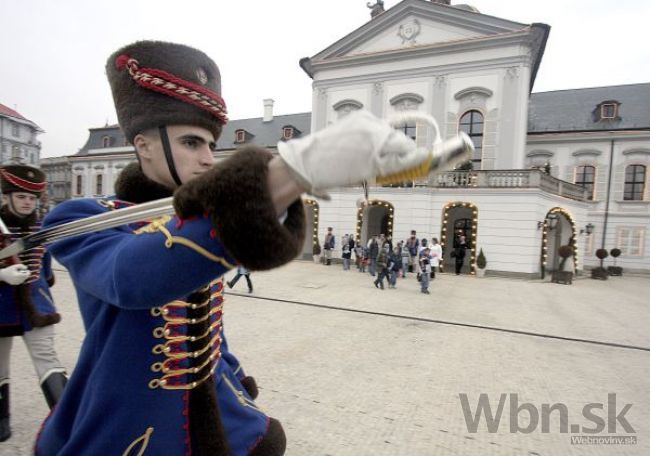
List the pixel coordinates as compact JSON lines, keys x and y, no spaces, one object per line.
{"x":168,"y":154}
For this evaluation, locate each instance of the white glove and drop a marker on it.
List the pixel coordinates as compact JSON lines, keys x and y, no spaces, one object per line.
{"x":14,"y":274}
{"x":360,"y":147}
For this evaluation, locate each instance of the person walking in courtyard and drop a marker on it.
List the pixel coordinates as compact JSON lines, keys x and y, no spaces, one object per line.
{"x":328,"y":245}
{"x":155,"y":373}
{"x":436,"y":256}
{"x":460,"y":248}
{"x":26,"y":305}
{"x":361,"y":252}
{"x":394,"y":266}
{"x":346,"y":252}
{"x":242,"y":271}
{"x":425,"y":268}
{"x":413,"y":247}
{"x":373,"y":251}
{"x":382,"y":267}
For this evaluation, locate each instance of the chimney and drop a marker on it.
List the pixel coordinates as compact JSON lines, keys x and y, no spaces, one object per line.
{"x":268,"y":109}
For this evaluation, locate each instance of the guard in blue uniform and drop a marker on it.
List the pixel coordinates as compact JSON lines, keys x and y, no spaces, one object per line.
{"x":26,"y":305}
{"x":155,"y":373}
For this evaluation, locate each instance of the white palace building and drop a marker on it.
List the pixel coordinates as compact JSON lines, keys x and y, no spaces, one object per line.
{"x":568,"y":167}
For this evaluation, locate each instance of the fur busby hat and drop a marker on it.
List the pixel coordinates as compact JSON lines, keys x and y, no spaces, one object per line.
{"x":22,"y":178}
{"x":156,"y":83}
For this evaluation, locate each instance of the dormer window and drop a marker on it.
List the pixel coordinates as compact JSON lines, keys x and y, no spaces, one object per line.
{"x":607,"y":110}
{"x":242,"y":136}
{"x":287,"y":133}
{"x":106,"y":141}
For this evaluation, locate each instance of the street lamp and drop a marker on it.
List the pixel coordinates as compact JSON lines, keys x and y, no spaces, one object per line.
{"x":552,"y":221}
{"x":588,"y":229}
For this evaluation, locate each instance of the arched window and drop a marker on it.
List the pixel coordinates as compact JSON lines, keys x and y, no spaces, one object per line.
{"x":585,"y":176}
{"x":472,"y":123}
{"x":634,"y":182}
{"x":106,"y":141}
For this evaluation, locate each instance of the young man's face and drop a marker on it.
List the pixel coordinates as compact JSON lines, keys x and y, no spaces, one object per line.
{"x":20,"y":203}
{"x":191,"y":149}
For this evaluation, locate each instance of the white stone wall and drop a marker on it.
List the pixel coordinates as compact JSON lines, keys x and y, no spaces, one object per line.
{"x":567,"y":151}
{"x":507,"y":220}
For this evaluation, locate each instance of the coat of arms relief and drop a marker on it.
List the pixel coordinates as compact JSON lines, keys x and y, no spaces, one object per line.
{"x":408,"y":31}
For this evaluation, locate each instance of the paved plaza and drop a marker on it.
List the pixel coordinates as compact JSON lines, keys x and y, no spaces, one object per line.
{"x":353,"y":370}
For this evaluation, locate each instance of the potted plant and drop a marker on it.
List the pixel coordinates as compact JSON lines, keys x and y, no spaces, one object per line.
{"x":600,"y":272}
{"x":562,"y":276}
{"x":481,"y":263}
{"x":315,"y":250}
{"x":615,"y":270}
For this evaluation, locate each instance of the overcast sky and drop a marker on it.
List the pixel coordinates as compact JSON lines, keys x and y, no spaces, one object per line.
{"x":53,"y":52}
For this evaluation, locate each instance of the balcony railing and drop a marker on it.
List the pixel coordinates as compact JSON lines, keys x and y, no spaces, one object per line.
{"x":510,"y":178}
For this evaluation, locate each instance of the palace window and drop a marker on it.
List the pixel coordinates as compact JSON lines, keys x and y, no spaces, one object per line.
{"x":585,"y":177}
{"x":106,"y":141}
{"x":409,"y":129}
{"x":79,"y":185}
{"x":630,"y":241}
{"x":99,"y":184}
{"x":15,"y":129}
{"x":634,"y":182}
{"x":472,"y":123}
{"x":16,"y":155}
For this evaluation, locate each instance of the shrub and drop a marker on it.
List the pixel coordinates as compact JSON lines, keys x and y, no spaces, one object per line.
{"x":316,"y":249}
{"x":481,"y":262}
{"x":601,"y":254}
{"x":615,"y":253}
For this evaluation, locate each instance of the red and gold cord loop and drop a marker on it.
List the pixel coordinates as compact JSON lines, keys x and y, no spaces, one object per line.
{"x":173,"y":86}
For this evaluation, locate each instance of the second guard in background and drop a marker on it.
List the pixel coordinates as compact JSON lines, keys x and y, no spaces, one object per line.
{"x":26,"y":305}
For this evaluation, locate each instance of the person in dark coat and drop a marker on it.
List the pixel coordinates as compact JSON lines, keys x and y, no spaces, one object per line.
{"x":373,"y":251}
{"x":394,"y":266}
{"x":460,"y":248}
{"x":382,"y":267}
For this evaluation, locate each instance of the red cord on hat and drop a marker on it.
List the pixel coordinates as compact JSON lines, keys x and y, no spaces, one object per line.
{"x":22,"y":183}
{"x":173,"y":86}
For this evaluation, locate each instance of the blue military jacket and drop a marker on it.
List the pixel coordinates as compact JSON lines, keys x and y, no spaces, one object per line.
{"x":130,"y":388}
{"x":13,"y":316}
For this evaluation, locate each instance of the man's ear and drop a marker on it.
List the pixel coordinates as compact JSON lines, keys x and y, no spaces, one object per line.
{"x":142,"y":145}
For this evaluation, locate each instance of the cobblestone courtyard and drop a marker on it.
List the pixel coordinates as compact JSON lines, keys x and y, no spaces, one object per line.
{"x":352,"y":370}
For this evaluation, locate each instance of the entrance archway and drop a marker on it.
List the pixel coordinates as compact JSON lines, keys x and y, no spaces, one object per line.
{"x":311,"y":226}
{"x":459,"y":218}
{"x":558,"y":229}
{"x":374,"y":217}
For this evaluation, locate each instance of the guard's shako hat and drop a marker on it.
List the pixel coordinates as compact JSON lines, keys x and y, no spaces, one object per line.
{"x":22,"y":178}
{"x":156,"y":84}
